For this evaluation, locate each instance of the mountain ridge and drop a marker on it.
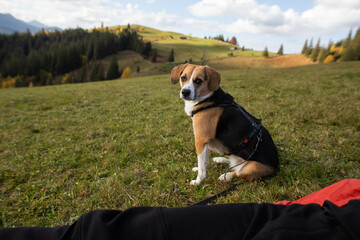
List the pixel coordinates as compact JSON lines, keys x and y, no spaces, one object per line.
{"x":9,"y":24}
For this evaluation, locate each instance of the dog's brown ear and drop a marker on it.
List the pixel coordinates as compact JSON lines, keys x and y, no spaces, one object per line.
{"x":213,"y":77}
{"x":175,"y":73}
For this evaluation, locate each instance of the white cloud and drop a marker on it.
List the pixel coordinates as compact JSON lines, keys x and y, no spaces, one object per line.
{"x":64,"y":13}
{"x":323,"y":18}
{"x":209,"y":8}
{"x":132,"y":14}
{"x":326,"y":15}
{"x":86,"y":13}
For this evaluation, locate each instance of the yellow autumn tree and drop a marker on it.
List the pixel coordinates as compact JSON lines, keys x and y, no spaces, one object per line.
{"x":65,"y":79}
{"x":126,"y":73}
{"x":341,"y":50}
{"x":329,"y":58}
{"x":332,"y":49}
{"x":8,"y":82}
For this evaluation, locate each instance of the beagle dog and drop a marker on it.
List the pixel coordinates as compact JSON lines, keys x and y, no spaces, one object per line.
{"x":223,"y":126}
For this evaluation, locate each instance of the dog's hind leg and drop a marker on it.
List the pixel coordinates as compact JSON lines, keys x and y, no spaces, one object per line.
{"x":249,"y":171}
{"x":253,"y":170}
{"x":235,"y":165}
{"x":221,"y":160}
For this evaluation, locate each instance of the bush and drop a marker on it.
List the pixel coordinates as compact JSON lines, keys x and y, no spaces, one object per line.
{"x":265,"y":53}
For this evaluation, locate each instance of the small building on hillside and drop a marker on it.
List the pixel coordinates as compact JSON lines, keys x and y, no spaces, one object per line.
{"x":182,"y":37}
{"x":233,"y":48}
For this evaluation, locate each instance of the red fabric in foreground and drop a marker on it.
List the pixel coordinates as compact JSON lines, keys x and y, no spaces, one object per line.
{"x":339,"y":193}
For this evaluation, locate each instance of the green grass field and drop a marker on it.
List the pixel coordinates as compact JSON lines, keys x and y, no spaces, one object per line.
{"x":69,"y":149}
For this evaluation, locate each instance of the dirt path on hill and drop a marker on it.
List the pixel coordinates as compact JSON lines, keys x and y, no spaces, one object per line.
{"x":284,"y":61}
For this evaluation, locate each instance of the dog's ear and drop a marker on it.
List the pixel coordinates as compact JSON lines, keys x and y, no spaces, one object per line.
{"x":213,"y":77}
{"x":175,"y":73}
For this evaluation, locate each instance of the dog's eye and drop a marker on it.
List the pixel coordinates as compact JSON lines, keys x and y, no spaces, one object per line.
{"x":197,"y":81}
{"x":183,"y":78}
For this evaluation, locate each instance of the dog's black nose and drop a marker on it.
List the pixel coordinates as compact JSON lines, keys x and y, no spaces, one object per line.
{"x":185,"y":92}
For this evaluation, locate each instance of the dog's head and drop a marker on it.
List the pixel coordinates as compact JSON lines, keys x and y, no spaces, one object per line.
{"x":197,"y":82}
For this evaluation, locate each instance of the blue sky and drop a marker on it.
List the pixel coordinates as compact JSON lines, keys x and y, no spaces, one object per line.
{"x":255,"y":23}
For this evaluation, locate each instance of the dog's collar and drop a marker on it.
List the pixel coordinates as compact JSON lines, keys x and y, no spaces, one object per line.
{"x":218,"y":99}
{"x":218,"y":96}
{"x":210,"y":106}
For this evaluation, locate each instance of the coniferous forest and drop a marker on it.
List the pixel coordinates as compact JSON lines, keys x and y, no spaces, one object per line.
{"x":347,"y":49}
{"x":36,"y":59}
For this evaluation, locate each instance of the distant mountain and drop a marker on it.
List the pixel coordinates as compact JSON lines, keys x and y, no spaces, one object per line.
{"x":10,"y":24}
{"x":37,"y":24}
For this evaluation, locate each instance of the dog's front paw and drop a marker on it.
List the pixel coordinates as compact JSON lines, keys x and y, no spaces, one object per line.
{"x":195,"y":169}
{"x":195,"y":182}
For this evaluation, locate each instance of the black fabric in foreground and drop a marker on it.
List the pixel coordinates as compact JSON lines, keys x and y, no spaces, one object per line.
{"x":229,"y":221}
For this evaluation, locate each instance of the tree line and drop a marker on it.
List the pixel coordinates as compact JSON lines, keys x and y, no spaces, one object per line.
{"x":220,"y":37}
{"x":36,"y":59}
{"x":347,"y":49}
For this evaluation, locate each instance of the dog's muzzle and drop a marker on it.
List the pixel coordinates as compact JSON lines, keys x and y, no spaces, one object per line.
{"x":185,"y":93}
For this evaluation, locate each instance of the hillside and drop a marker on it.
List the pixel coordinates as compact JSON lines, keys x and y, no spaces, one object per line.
{"x":187,"y":47}
{"x":198,"y":50}
{"x":78,"y":55}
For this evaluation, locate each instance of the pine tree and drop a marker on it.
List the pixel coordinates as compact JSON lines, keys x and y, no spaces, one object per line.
{"x":146,"y":49}
{"x":97,"y":72}
{"x":90,"y":50}
{"x":322,"y":55}
{"x":315,"y":51}
{"x":101,"y":72}
{"x":113,"y":71}
{"x":82,"y":77}
{"x":154,"y":56}
{"x":96,"y":52}
{"x":310,"y":48}
{"x":171,"y":57}
{"x":352,"y":52}
{"x":347,"y":41}
{"x":281,"y":50}
{"x":305,"y":47}
{"x":265,"y":52}
{"x":356,"y":45}
{"x":94,"y":73}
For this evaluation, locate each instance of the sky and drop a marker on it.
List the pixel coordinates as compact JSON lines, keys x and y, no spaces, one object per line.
{"x":256,"y":24}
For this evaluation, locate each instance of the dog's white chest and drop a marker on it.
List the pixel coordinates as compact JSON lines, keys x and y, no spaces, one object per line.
{"x":189,"y":107}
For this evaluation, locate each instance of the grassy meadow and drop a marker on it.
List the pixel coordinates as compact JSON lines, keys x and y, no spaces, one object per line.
{"x":69,"y":149}
{"x":196,"y":48}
